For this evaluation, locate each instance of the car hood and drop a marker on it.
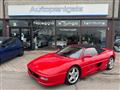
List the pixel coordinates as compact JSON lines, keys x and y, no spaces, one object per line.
{"x":1,"y":48}
{"x":48,"y":64}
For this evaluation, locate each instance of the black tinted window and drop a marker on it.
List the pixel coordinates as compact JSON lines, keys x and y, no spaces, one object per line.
{"x":91,"y":51}
{"x":7,"y":41}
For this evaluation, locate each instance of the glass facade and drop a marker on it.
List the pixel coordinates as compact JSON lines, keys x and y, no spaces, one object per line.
{"x":117,"y":29}
{"x":21,"y":29}
{"x":95,"y":36}
{"x":18,"y":23}
{"x":94,"y":32}
{"x":67,"y":32}
{"x":44,"y":33}
{"x":67,"y":36}
{"x":59,"y":33}
{"x":81,"y":31}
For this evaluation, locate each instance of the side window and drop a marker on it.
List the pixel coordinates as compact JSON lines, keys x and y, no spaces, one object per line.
{"x":6,"y":42}
{"x":77,"y":54}
{"x":91,"y":51}
{"x":13,"y":41}
{"x":9,"y":41}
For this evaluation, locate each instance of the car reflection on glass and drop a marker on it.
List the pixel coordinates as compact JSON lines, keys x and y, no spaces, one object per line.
{"x":117,"y":45}
{"x":60,"y":44}
{"x":42,"y":41}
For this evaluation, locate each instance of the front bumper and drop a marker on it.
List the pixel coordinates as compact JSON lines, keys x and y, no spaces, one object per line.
{"x":52,"y":80}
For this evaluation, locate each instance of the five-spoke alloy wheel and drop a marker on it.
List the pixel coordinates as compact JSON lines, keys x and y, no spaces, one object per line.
{"x":110,"y":64}
{"x":72,"y":75}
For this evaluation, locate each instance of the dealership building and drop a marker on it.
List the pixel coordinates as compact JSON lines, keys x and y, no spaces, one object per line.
{"x":52,"y":23}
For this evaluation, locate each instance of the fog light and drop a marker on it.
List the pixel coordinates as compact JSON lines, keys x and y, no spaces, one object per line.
{"x":43,"y":78}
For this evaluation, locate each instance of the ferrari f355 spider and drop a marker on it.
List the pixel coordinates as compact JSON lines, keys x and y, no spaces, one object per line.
{"x":70,"y":64}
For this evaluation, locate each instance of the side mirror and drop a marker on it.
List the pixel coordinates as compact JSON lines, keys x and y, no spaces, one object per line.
{"x":87,"y":56}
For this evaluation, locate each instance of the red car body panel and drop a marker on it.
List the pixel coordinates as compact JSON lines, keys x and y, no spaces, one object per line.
{"x":55,"y":67}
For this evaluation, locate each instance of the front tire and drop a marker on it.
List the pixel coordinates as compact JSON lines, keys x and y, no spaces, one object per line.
{"x":110,"y":64}
{"x":72,"y":75}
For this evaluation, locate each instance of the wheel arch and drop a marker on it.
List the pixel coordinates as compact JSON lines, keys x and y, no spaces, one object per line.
{"x":76,"y":65}
{"x":112,"y":57}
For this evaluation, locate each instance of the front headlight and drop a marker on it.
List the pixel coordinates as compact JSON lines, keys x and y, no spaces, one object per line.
{"x":44,"y":78}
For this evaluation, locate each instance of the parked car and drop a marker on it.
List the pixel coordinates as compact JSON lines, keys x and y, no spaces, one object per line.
{"x":60,"y":44}
{"x":70,"y":64}
{"x":117,"y":45}
{"x":42,"y":42}
{"x":10,"y":48}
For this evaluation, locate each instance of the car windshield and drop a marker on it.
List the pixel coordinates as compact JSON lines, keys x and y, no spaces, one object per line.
{"x":71,"y":51}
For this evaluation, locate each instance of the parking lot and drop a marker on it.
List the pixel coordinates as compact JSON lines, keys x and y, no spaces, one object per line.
{"x":14,"y":76}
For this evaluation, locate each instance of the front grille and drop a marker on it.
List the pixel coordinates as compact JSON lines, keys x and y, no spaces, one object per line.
{"x":34,"y":74}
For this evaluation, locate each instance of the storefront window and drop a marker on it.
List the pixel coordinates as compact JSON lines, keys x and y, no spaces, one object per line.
{"x":18,"y":23}
{"x":117,"y":29}
{"x":94,"y":36}
{"x":44,"y":33}
{"x":67,"y":36}
{"x":47,"y":34}
{"x":21,"y":30}
{"x":1,"y":27}
{"x":67,"y":32}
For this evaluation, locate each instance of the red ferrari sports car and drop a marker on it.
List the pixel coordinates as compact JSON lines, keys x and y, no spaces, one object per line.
{"x":70,"y":64}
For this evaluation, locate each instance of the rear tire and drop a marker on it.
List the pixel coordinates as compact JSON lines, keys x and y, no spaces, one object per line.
{"x":72,"y":76}
{"x":110,"y":64}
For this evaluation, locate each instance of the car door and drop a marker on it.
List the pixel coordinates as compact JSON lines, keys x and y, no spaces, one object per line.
{"x":91,"y":61}
{"x":14,"y":47}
